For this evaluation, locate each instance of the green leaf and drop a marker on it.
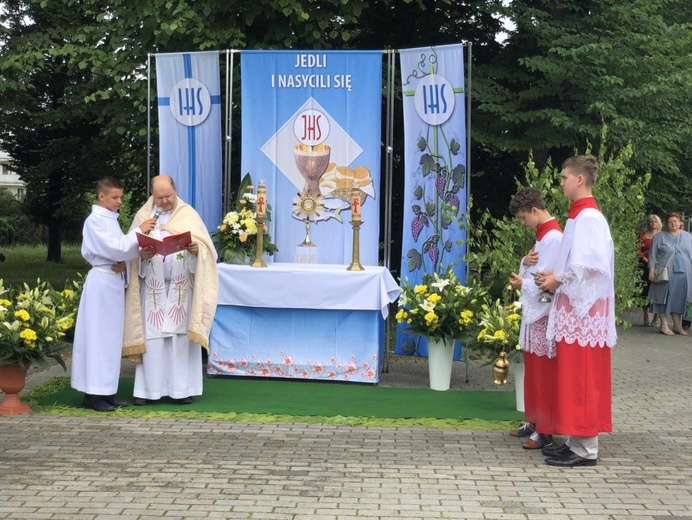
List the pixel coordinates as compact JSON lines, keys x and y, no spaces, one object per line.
{"x":454,"y":147}
{"x":459,"y":175}
{"x":415,"y":260}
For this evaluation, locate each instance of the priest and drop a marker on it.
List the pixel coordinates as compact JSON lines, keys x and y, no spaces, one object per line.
{"x":170,"y":306}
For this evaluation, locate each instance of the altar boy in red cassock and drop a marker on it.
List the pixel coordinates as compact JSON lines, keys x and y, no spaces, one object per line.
{"x":539,"y":351}
{"x":582,"y":320}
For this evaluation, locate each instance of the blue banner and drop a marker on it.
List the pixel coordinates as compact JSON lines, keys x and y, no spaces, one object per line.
{"x":311,"y":131}
{"x":190,"y":137}
{"x":435,"y":169}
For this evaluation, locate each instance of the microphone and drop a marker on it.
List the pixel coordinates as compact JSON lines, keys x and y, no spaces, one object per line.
{"x":156,"y":216}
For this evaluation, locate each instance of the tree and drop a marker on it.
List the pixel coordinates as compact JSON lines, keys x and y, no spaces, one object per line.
{"x":73,"y":103}
{"x":571,"y":65}
{"x":54,"y":137}
{"x":499,"y":244}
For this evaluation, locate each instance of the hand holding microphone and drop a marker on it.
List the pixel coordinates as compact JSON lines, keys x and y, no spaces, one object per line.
{"x":149,"y":224}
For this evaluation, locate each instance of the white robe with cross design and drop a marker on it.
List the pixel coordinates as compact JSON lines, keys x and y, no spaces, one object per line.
{"x":172,"y":364}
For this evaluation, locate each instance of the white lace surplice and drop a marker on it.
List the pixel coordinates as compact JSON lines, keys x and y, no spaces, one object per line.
{"x":532,"y":335}
{"x":584,"y":305}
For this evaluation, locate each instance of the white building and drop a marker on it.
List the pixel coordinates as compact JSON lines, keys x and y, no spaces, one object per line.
{"x":9,"y":179}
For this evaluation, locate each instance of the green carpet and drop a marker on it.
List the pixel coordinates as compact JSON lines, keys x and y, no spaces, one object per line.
{"x":297,"y":398}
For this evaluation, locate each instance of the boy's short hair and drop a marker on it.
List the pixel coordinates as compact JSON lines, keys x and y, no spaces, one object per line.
{"x":525,"y":199}
{"x":106,"y":184}
{"x":586,"y":165}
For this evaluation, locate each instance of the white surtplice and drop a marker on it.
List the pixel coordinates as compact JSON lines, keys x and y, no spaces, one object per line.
{"x":172,"y":364}
{"x":532,"y":336}
{"x":99,"y":332}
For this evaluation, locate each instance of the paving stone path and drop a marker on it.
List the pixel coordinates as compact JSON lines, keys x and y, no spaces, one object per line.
{"x":58,"y":467}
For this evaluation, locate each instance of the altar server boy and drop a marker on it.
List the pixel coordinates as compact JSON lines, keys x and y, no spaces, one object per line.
{"x":582,"y":320}
{"x":539,"y":351}
{"x":100,"y":321}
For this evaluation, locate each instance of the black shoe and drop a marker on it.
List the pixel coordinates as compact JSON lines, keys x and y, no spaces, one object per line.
{"x":113,"y":401}
{"x":571,"y":460}
{"x":553,"y":450}
{"x":96,"y":402}
{"x":184,"y":400}
{"x":140,"y":401}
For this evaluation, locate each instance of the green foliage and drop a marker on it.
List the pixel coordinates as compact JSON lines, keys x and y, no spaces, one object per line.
{"x":498,"y":245}
{"x":236,"y":238}
{"x":568,"y":67}
{"x":31,"y":325}
{"x":10,"y":207}
{"x":500,"y":321}
{"x":24,"y":264}
{"x":127,"y":212}
{"x":440,"y":307}
{"x":7,"y":233}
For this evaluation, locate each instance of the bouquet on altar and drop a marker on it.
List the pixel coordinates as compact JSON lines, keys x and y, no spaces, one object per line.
{"x":32,"y":322}
{"x":500,"y":322}
{"x":440,"y":307}
{"x":236,"y":238}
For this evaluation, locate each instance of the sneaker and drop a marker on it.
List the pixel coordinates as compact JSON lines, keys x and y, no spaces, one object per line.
{"x":537,"y":441}
{"x":524,"y":431}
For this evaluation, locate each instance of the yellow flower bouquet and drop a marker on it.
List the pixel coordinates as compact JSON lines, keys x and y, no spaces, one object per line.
{"x":236,"y":238}
{"x":500,"y":322}
{"x":440,"y":307}
{"x":31,"y":326}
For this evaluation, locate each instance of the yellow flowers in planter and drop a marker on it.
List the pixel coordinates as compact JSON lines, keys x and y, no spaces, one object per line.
{"x":32,"y":321}
{"x":500,"y":322}
{"x":439,"y":307}
{"x":236,"y":238}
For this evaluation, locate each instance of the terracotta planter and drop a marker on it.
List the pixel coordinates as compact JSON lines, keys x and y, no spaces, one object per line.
{"x":12,"y":380}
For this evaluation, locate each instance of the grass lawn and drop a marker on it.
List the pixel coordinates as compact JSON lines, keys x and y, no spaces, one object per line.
{"x":24,"y":264}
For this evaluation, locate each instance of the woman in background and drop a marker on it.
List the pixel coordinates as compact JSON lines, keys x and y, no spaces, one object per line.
{"x":671,"y":248}
{"x":653,"y":226}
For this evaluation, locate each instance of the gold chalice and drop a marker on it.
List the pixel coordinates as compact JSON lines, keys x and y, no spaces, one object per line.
{"x":312,"y":161}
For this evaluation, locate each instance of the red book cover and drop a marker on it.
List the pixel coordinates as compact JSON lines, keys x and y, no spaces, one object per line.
{"x":170,"y":244}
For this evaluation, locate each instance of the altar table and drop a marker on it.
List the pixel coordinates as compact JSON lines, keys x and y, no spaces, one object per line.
{"x":301,"y":321}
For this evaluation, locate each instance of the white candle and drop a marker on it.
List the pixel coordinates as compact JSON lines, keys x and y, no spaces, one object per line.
{"x":261,"y":201}
{"x":355,"y":204}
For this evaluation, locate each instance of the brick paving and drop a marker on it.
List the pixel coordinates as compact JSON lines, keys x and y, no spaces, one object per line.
{"x":104,"y":467}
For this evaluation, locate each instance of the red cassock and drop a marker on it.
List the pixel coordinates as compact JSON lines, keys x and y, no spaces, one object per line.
{"x":582,"y":323}
{"x":583,"y":384}
{"x":539,"y":391}
{"x":539,"y":352}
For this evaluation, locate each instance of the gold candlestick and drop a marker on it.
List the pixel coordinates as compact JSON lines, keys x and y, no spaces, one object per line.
{"x":355,"y":261}
{"x":259,"y":246}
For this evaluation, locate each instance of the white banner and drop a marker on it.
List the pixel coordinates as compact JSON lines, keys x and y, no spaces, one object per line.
{"x":432,"y":81}
{"x":190,"y":137}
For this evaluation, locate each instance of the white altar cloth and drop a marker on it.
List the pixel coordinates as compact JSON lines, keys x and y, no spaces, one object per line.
{"x":301,"y":321}
{"x":301,"y":286}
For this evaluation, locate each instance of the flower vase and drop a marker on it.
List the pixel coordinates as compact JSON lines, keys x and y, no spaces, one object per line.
{"x":241,"y":260}
{"x":518,"y":371}
{"x":12,"y":380}
{"x":440,"y":357}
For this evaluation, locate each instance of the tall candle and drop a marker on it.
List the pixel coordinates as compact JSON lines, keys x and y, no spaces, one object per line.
{"x":261,"y":201}
{"x":355,"y":204}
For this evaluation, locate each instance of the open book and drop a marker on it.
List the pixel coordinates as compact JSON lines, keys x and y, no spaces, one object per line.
{"x":170,"y":244}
